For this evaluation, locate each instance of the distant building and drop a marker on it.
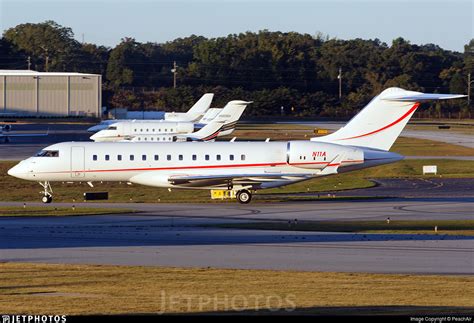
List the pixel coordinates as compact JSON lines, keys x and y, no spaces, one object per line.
{"x":43,"y":94}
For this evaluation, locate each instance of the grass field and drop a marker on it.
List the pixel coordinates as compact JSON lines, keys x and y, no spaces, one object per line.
{"x":87,"y":289}
{"x":21,"y":190}
{"x":451,"y":227}
{"x":423,"y":147}
{"x":57,"y":211}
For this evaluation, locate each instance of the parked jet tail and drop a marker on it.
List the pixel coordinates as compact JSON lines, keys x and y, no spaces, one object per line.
{"x":196,"y":112}
{"x":381,"y":121}
{"x":225,"y":121}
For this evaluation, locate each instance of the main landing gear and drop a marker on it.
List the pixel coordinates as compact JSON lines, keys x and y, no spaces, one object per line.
{"x":47,"y":193}
{"x":244,"y":196}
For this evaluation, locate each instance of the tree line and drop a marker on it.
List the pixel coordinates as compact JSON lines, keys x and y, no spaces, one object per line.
{"x":283,"y":73}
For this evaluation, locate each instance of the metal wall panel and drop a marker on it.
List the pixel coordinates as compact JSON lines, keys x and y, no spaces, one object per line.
{"x":53,"y":96}
{"x":84,"y":95}
{"x":21,"y":95}
{"x":2,"y":94}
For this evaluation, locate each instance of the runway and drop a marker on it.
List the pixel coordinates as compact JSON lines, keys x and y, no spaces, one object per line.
{"x":180,"y":235}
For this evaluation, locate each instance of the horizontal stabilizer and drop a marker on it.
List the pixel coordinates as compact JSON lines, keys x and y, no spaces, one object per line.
{"x":421,"y":97}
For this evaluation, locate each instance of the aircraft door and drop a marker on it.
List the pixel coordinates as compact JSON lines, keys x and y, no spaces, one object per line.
{"x":77,"y":162}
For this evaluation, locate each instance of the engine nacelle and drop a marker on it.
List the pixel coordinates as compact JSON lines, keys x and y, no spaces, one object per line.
{"x":317,"y":155}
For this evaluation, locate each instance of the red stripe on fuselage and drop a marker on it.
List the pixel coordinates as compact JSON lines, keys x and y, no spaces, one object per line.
{"x":412,"y":109}
{"x":196,"y":167}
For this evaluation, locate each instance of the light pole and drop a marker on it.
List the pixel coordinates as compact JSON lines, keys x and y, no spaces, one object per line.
{"x":339,"y":77}
{"x":174,"y":71}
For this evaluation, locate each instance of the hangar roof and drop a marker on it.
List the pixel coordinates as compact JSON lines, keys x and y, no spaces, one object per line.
{"x":35,"y":73}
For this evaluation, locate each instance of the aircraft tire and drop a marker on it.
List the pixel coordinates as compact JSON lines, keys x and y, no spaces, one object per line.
{"x":244,"y":197}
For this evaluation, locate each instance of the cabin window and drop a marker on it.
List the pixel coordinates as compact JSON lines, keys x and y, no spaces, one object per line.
{"x":194,"y":157}
{"x":168,"y":157}
{"x":207,"y":157}
{"x":132,"y":157}
{"x":112,"y":128}
{"x":166,"y":130}
{"x":107,"y":157}
{"x":143,"y":157}
{"x":153,"y":130}
{"x":180,"y":157}
{"x":242,"y":157}
{"x":231,"y":157}
{"x":141,"y":130}
{"x":218,"y":157}
{"x":135,"y":130}
{"x":119,"y":157}
{"x":157,"y":157}
{"x":94,"y":157}
{"x":171,"y":129}
{"x":147,"y":130}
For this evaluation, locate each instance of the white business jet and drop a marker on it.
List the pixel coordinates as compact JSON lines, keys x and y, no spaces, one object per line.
{"x":153,"y":131}
{"x":197,"y":112}
{"x":239,"y":166}
{"x":224,"y":122}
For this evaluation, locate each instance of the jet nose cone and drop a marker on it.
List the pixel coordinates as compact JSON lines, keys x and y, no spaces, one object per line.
{"x":14,"y":171}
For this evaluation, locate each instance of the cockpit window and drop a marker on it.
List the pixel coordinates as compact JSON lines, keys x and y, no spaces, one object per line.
{"x":112,"y":128}
{"x":48,"y":153}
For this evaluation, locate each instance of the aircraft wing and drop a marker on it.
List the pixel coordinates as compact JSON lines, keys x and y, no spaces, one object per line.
{"x":236,"y":179}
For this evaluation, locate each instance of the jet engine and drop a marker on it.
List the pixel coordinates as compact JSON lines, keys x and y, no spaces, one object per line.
{"x":317,"y":155}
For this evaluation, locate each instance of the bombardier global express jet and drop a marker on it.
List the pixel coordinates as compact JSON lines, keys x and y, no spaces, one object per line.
{"x":244,"y":167}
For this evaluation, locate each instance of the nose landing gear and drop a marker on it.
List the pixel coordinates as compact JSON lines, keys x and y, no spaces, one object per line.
{"x":47,"y":193}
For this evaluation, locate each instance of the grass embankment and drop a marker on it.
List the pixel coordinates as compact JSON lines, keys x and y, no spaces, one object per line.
{"x":57,"y":211}
{"x":451,"y":227}
{"x":21,"y":190}
{"x":423,"y":147}
{"x":86,"y":289}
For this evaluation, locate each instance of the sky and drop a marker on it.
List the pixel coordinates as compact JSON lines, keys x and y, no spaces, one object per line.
{"x":449,"y":23}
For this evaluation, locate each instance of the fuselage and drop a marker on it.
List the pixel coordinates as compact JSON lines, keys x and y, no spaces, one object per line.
{"x":154,"y":164}
{"x":127,"y":130}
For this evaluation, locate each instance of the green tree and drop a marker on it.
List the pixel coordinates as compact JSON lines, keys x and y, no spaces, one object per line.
{"x":51,"y":46}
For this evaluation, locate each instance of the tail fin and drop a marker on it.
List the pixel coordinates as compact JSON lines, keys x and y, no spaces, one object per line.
{"x":209,"y":115}
{"x":196,"y":112}
{"x":231,"y":114}
{"x":224,"y":123}
{"x":381,"y":121}
{"x":200,"y":107}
